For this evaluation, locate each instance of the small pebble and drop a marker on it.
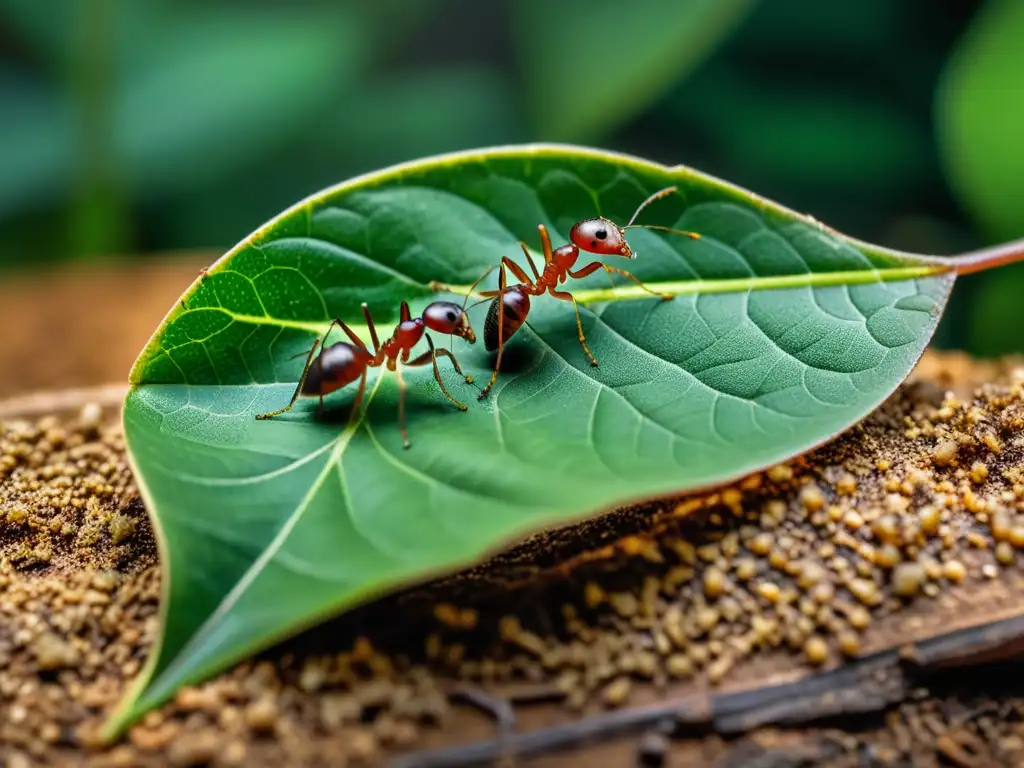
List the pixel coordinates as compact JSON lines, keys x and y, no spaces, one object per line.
{"x":1004,"y":553}
{"x":887,"y":556}
{"x":812,"y":497}
{"x":849,"y":643}
{"x":679,"y":665}
{"x":261,"y":715}
{"x":616,"y":692}
{"x":761,"y":544}
{"x":714,"y":582}
{"x":907,"y":579}
{"x":816,"y":650}
{"x":853,"y":520}
{"x":746,"y":568}
{"x":865,"y":591}
{"x":769,"y":591}
{"x":944,"y":453}
{"x":53,"y":652}
{"x":930,"y":518}
{"x":859,"y":617}
{"x":1000,"y":524}
{"x":954,"y":570}
{"x":194,"y":749}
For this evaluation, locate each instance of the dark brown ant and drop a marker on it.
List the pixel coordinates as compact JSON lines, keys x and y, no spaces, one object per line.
{"x":511,"y":304}
{"x":342,"y":363}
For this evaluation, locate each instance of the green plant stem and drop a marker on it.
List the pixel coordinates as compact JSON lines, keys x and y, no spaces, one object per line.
{"x":989,"y":258}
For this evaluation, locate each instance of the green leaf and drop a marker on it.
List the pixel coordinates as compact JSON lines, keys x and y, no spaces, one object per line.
{"x":36,"y":148}
{"x":201,"y":100}
{"x":979,"y":111}
{"x":827,"y":136}
{"x":592,"y":65}
{"x":781,"y":334}
{"x":194,"y":102}
{"x":33,"y":22}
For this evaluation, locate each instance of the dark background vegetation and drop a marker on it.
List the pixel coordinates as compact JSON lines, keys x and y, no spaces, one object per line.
{"x":143,"y":126}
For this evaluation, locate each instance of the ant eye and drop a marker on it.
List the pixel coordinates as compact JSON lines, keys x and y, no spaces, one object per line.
{"x":451,"y":316}
{"x":601,"y":234}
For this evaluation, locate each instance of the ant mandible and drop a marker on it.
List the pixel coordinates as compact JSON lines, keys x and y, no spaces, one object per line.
{"x":342,"y":363}
{"x":511,"y":304}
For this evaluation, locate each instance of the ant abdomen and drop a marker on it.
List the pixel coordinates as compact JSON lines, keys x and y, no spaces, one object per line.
{"x":335,"y":367}
{"x":517,"y":307}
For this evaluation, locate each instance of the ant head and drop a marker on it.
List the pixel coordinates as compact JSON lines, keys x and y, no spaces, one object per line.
{"x":601,"y":236}
{"x":449,"y":318}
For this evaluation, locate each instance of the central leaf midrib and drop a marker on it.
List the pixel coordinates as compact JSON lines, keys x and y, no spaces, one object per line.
{"x":752,"y":283}
{"x":629,"y":292}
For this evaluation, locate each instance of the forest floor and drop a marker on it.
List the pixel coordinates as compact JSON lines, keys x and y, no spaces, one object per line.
{"x":855,"y":607}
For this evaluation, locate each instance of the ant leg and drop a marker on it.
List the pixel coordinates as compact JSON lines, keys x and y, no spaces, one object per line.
{"x":566,"y":296}
{"x":502,"y":281}
{"x":545,"y":243}
{"x":432,"y":356}
{"x":351,"y":334}
{"x":426,"y":356}
{"x":401,"y":408}
{"x":529,"y":258}
{"x":516,"y":270}
{"x":624,"y":273}
{"x":373,"y":329}
{"x":358,"y":398}
{"x":302,"y":378}
{"x":596,"y":265}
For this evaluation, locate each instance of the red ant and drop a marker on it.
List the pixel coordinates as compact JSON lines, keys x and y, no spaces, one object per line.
{"x":342,"y":363}
{"x":511,"y":304}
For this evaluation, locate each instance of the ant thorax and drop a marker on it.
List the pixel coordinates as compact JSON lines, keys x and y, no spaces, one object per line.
{"x":406,"y":336}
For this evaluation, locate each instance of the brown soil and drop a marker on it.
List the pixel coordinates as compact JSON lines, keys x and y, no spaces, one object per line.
{"x":852,"y":583}
{"x":83,"y":324}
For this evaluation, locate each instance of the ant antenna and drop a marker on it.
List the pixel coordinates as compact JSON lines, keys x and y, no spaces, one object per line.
{"x":305,"y":352}
{"x":657,"y":196}
{"x":691,"y":235}
{"x":473,"y":288}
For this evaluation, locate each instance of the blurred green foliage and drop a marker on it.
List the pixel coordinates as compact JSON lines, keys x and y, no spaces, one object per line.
{"x":150,"y":125}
